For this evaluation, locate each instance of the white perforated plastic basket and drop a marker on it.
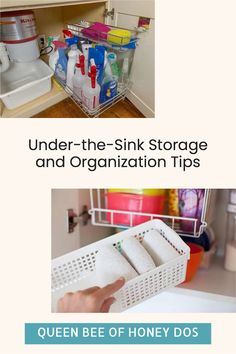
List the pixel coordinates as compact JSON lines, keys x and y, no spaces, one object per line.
{"x":77,"y":270}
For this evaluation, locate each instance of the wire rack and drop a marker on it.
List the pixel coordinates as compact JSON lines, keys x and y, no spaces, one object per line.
{"x":101,"y":38}
{"x":99,"y":215}
{"x":95,"y":113}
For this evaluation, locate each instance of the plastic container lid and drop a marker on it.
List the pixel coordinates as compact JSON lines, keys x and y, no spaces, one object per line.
{"x":140,"y":191}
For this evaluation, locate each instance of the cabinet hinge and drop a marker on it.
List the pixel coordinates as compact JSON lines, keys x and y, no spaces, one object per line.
{"x":110,"y":13}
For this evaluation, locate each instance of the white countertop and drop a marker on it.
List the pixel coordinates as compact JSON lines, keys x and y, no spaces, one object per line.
{"x":185,"y":300}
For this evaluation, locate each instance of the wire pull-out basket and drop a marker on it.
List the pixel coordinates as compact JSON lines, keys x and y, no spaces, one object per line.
{"x":77,"y":270}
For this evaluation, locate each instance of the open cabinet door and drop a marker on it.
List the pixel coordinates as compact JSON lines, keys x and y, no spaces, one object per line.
{"x":82,"y":235}
{"x":127,"y":14}
{"x":62,"y":241}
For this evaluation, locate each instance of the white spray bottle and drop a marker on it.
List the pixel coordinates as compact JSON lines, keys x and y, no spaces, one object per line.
{"x":91,"y":89}
{"x":72,"y":57}
{"x":85,"y":49}
{"x":79,"y":77}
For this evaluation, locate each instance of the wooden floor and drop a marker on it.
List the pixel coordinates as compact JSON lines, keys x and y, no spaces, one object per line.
{"x":68,"y":109}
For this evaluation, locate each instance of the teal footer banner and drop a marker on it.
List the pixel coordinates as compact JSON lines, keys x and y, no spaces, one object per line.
{"x":117,"y":333}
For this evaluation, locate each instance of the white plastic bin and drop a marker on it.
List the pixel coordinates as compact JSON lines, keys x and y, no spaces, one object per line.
{"x":77,"y":270}
{"x":23,"y":82}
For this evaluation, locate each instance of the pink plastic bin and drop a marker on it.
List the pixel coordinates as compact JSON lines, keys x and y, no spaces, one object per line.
{"x":135,"y":203}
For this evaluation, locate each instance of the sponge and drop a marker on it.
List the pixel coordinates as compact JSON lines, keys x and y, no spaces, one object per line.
{"x":119,"y":36}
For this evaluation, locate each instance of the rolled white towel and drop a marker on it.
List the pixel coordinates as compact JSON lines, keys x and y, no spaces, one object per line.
{"x":111,"y":265}
{"x":159,"y":249}
{"x":137,"y":255}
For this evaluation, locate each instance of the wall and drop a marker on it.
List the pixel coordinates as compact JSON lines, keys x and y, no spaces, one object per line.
{"x":51,"y":21}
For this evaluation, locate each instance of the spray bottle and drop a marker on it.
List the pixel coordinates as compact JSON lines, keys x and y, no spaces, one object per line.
{"x":109,"y":82}
{"x":72,"y":57}
{"x":98,"y":54}
{"x":91,"y":89}
{"x":61,"y":66}
{"x":112,"y":58}
{"x":85,"y":50}
{"x":79,"y":77}
{"x":54,"y":56}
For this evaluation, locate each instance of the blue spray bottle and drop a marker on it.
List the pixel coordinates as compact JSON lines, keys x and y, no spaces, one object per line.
{"x":98,"y":54}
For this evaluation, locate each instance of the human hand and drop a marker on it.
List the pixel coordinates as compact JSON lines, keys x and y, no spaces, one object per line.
{"x":93,"y":299}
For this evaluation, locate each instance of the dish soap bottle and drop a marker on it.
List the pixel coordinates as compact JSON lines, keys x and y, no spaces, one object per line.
{"x":91,"y":89}
{"x":79,"y":77}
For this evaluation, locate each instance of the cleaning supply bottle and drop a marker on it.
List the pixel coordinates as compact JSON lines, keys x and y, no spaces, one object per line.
{"x":72,"y":57}
{"x":124,"y":75}
{"x":112,"y":58}
{"x":91,"y":89}
{"x":85,"y":50}
{"x":61,"y":67}
{"x":53,"y":59}
{"x":109,"y":83}
{"x":50,"y":41}
{"x":98,"y":54}
{"x":79,"y":77}
{"x":54,"y":55}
